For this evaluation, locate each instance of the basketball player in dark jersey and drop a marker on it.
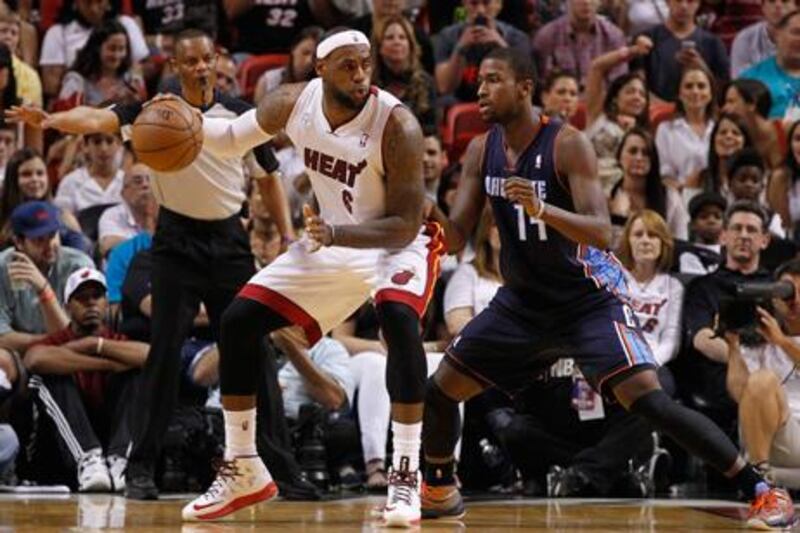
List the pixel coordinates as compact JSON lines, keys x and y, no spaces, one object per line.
{"x":562,"y":293}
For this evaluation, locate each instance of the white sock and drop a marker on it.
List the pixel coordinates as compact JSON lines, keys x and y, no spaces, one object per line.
{"x":240,"y":433}
{"x":406,"y":443}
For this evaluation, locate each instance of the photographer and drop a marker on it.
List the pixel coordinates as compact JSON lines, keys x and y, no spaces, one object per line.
{"x":317,"y":385}
{"x":744,"y":236}
{"x":765,"y":382}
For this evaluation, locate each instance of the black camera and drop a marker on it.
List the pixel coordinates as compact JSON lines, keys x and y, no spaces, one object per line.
{"x":481,"y":20}
{"x":309,"y":437}
{"x":738,"y":302}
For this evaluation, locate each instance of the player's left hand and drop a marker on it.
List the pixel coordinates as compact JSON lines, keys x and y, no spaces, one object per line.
{"x":769,"y":328}
{"x":316,"y":228}
{"x":521,"y":191}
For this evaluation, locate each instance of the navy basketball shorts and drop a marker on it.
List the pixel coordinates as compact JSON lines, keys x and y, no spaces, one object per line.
{"x":507,"y":349}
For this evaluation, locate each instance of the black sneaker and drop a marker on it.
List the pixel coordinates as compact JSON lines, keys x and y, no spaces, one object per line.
{"x":299,"y":489}
{"x":635,"y":483}
{"x":140,"y":481}
{"x":569,"y":483}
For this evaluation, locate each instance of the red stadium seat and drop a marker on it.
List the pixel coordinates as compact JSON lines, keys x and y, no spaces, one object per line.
{"x":462,"y":123}
{"x":659,"y":113}
{"x":253,"y":67}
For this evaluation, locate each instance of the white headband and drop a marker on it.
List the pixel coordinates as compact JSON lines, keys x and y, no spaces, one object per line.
{"x":337,"y":40}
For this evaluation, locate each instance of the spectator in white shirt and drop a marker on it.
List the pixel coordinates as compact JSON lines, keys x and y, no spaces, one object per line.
{"x":63,"y":41}
{"x":655,"y":296}
{"x":135,"y":214}
{"x":683,"y":141}
{"x":765,"y":382}
{"x":97,"y":183}
{"x":756,"y":42}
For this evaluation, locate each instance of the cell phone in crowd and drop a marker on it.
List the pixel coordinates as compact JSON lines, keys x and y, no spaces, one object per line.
{"x":481,"y":20}
{"x":688,"y":44}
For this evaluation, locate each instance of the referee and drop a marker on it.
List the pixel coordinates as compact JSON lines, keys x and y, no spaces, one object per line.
{"x":201,"y":252}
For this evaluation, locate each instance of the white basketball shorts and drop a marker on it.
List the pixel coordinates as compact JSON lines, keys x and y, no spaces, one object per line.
{"x":320,"y":290}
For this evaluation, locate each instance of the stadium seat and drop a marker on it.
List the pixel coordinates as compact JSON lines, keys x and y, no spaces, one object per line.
{"x":253,"y":67}
{"x":461,"y":124}
{"x":659,"y":113}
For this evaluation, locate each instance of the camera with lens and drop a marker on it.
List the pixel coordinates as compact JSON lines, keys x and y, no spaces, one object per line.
{"x":309,"y":443}
{"x":738,"y":303}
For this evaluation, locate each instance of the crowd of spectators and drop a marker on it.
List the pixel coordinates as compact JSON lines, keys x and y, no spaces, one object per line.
{"x":692,"y":107}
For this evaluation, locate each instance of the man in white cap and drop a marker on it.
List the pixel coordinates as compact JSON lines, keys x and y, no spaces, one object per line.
{"x":85,"y":368}
{"x":363,"y":152}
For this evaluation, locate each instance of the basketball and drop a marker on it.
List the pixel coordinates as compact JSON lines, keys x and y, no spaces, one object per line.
{"x":167,"y":135}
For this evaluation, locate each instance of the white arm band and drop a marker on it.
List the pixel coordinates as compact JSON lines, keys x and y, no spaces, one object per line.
{"x":225,"y":137}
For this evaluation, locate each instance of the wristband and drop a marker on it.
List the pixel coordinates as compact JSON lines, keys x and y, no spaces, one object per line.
{"x":540,"y":211}
{"x":99,"y":349}
{"x":46,"y":295}
{"x":333,"y":233}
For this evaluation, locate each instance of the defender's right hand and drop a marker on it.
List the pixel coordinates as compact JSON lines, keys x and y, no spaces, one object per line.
{"x":30,"y":115}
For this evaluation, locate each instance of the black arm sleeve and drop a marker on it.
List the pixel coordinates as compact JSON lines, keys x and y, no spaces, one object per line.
{"x":127,"y":113}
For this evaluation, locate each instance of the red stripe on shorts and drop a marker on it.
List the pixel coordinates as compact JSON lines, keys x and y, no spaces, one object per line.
{"x":284,"y":307}
{"x":436,"y":247}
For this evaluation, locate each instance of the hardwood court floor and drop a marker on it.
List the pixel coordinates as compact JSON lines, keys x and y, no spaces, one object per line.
{"x":92,"y":512}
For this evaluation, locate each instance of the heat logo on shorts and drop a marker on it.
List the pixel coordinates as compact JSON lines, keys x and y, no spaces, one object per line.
{"x":402,"y":277}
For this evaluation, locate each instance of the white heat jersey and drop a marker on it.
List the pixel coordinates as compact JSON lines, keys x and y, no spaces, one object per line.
{"x":658,"y":305}
{"x":346,"y":165}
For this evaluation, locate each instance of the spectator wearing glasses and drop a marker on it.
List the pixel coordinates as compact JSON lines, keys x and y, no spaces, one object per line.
{"x":136,"y":213}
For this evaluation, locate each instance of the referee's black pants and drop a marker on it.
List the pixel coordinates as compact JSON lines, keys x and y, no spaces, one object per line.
{"x":198,"y":261}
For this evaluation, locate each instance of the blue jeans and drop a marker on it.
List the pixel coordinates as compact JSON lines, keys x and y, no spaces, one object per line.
{"x":9,"y":446}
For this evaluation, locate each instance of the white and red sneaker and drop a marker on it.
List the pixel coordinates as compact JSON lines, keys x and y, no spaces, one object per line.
{"x":773,"y":509}
{"x":402,"y":503}
{"x":241,"y":482}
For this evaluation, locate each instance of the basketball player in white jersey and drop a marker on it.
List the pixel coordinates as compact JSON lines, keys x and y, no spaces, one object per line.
{"x":363,"y":152}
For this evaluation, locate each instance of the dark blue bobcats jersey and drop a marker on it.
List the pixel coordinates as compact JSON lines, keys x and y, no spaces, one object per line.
{"x":546,"y":272}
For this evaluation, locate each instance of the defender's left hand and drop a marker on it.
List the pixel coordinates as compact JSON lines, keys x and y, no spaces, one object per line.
{"x":318,"y":230}
{"x":521,"y":191}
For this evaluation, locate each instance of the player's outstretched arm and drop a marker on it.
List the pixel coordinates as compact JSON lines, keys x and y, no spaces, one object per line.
{"x":226,"y":137}
{"x":469,"y":199}
{"x":405,"y":189}
{"x":576,"y":161}
{"x":78,"y":120}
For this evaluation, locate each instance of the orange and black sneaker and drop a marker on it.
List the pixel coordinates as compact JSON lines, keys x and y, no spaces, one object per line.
{"x":443,"y":501}
{"x":772,"y":509}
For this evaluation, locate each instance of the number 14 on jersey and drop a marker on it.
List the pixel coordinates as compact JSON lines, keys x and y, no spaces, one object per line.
{"x":524,"y":220}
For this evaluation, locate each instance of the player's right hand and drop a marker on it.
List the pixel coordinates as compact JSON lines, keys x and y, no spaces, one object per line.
{"x":27,"y":114}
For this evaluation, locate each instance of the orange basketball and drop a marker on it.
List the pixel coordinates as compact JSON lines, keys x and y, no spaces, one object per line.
{"x":167,"y":135}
